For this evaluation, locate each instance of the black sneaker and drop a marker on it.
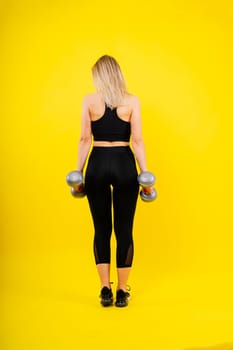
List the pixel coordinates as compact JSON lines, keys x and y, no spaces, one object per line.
{"x":122,"y":298}
{"x":106,"y":296}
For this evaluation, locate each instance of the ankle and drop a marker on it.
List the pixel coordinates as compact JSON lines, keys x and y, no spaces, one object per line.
{"x":125,"y":287}
{"x":107,"y":284}
{"x":122,"y":287}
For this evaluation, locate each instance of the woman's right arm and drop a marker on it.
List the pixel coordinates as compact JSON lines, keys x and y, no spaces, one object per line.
{"x":136,"y":135}
{"x":85,"y":139}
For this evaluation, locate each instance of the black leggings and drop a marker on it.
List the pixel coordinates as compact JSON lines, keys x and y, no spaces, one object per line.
{"x":116,"y":167}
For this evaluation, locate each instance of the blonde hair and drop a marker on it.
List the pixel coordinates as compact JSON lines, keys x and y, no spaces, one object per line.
{"x":109,"y":81}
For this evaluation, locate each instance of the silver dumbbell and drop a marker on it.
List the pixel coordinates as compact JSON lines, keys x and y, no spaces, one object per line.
{"x":147,"y":180}
{"x":76,"y":181}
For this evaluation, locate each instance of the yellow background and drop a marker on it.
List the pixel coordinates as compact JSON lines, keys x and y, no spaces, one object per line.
{"x":176,"y":56}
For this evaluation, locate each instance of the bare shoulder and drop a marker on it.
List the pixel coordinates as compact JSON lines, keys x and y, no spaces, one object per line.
{"x":134,"y":100}
{"x":90,"y":97}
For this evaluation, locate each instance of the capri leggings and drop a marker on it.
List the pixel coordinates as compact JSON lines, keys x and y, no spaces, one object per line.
{"x":111,"y":180}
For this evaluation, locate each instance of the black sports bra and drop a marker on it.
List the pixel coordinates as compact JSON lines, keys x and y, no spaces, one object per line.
{"x":110,"y":127}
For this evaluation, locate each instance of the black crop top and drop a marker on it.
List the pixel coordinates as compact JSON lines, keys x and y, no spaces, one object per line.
{"x":110,"y":127}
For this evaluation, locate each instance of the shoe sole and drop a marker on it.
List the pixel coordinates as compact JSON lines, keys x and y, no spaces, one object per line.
{"x":122,"y":303}
{"x":106,"y":302}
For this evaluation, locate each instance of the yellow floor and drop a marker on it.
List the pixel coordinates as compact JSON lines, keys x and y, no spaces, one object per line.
{"x":48,"y":304}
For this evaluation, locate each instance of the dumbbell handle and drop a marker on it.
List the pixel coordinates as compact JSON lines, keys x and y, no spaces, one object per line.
{"x":147,"y":190}
{"x":78,"y":187}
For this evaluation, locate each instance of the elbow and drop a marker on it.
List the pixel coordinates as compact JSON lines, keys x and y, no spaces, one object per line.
{"x":85,"y":140}
{"x":137,"y":141}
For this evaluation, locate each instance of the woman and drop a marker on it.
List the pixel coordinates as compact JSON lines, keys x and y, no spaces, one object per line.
{"x":111,"y":116}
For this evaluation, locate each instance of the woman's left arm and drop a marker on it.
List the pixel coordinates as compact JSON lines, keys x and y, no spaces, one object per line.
{"x":85,"y":139}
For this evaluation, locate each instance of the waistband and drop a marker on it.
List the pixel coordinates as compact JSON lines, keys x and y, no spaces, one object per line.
{"x":111,"y":149}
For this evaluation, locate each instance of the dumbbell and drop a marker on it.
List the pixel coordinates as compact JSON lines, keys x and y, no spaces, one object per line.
{"x":147,"y":180}
{"x":76,"y":181}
